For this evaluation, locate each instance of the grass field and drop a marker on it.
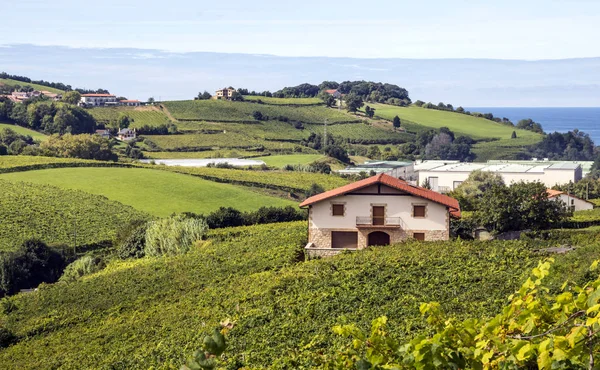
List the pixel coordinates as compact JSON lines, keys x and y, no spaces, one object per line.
{"x":159,"y":193}
{"x":224,"y":153}
{"x":58,"y":216}
{"x":24,"y":131}
{"x":10,"y":82}
{"x":284,"y":101}
{"x":281,"y":160}
{"x":228,"y":111}
{"x":142,"y":116}
{"x":154,"y":312}
{"x":477,"y":128}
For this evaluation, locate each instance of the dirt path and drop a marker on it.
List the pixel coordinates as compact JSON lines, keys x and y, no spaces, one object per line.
{"x":166,"y":111}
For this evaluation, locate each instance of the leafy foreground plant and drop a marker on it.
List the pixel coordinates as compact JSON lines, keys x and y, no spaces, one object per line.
{"x":213,"y":346}
{"x":536,"y":330}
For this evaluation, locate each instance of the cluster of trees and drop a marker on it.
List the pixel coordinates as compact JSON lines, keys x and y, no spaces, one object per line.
{"x":78,"y":146}
{"x":369,"y":91}
{"x":440,"y":144}
{"x":333,"y":147}
{"x":501,"y":208}
{"x":530,"y":125}
{"x":48,"y":117}
{"x":571,"y":146}
{"x":55,"y":85}
{"x":203,"y":96}
{"x":11,"y":143}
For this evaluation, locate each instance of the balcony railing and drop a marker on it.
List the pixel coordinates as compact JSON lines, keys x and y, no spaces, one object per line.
{"x":379,"y":222}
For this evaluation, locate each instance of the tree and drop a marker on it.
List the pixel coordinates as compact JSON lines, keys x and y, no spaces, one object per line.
{"x":151,"y":100}
{"x":204,"y":95}
{"x":353,"y":102}
{"x":513,"y":135}
{"x":328,"y":99}
{"x":257,"y":115}
{"x":72,"y":97}
{"x":78,"y":146}
{"x":123,"y":121}
{"x":337,"y":152}
{"x":374,"y":152}
{"x":475,"y":187}
{"x":529,"y":124}
{"x":460,"y":110}
{"x":370,"y":112}
{"x":396,"y":122}
{"x":236,"y":96}
{"x":419,"y":103}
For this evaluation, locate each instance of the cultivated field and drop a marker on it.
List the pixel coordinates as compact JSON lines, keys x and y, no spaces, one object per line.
{"x":9,"y":82}
{"x":284,"y":101}
{"x":228,"y":111}
{"x":158,"y":193}
{"x":24,"y":131}
{"x":142,"y":116}
{"x":475,"y":127}
{"x":282,"y":160}
{"x":154,"y":312}
{"x":58,"y":216}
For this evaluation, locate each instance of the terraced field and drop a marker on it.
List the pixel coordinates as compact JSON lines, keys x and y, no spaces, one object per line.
{"x":228,"y":111}
{"x":24,"y":131}
{"x":142,"y":116}
{"x":282,"y":160}
{"x":158,"y":193}
{"x":228,"y":140}
{"x":283,"y":101}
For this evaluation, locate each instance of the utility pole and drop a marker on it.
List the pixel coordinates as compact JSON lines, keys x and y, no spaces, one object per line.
{"x":325,"y":134}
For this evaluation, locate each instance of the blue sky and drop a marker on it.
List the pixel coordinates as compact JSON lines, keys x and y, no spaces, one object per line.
{"x":525,"y":29}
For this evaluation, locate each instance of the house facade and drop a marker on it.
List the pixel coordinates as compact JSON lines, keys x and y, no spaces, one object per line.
{"x":97,"y":100}
{"x":333,"y":92}
{"x":126,"y":134}
{"x":572,"y":202}
{"x":379,"y":210}
{"x":225,"y":93}
{"x":103,"y":133}
{"x":130,"y":103}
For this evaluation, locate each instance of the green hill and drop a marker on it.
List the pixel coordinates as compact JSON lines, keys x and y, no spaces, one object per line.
{"x":58,"y":216}
{"x":9,"y":82}
{"x":141,"y":116}
{"x":154,"y":312}
{"x":159,"y":193}
{"x":24,"y":131}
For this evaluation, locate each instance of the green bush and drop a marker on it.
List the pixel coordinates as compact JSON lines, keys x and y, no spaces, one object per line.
{"x":6,"y":338}
{"x":133,"y":242}
{"x":173,"y":235}
{"x":83,"y":266}
{"x":32,"y":264}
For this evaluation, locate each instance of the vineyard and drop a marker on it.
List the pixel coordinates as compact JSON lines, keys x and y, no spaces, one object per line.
{"x":228,"y":111}
{"x":158,"y":193}
{"x":58,"y":216}
{"x":24,"y":131}
{"x":9,"y":82}
{"x":283,"y":101}
{"x":154,"y":312}
{"x":141,"y":116}
{"x":9,"y":163}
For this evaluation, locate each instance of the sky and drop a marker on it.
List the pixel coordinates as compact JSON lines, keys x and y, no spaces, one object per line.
{"x":508,"y":29}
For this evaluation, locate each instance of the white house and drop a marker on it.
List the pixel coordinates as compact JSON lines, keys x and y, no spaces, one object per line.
{"x":571,"y":202}
{"x":97,"y":100}
{"x":103,"y":133}
{"x":378,"y":210}
{"x":130,"y":103}
{"x":126,"y":134}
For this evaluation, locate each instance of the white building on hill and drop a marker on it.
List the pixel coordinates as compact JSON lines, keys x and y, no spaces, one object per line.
{"x":445,"y":176}
{"x":97,"y":100}
{"x":571,"y":202}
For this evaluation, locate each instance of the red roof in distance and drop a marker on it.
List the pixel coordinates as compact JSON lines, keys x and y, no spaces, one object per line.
{"x":392,"y":182}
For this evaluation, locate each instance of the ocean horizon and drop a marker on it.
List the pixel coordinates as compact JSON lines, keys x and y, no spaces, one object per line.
{"x":560,"y":119}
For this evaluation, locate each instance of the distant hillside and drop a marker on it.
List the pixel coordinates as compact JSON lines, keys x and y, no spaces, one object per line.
{"x":9,"y":82}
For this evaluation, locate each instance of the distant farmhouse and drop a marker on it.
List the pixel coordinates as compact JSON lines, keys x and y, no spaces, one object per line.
{"x":130,"y":103}
{"x":379,"y":210}
{"x":103,"y":133}
{"x":333,"y":92}
{"x":126,"y":134}
{"x":225,"y":93}
{"x":572,"y":203}
{"x":98,"y":100}
{"x":19,"y":97}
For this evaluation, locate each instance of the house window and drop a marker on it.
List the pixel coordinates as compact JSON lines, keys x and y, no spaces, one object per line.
{"x":419,"y":236}
{"x":337,"y":209}
{"x":456,"y":184}
{"x":344,"y":239}
{"x":419,"y":211}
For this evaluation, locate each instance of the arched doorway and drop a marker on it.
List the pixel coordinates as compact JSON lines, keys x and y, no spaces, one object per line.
{"x":378,"y":238}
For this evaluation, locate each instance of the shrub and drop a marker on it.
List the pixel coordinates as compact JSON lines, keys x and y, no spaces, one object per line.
{"x":6,"y":338}
{"x":225,"y":217}
{"x":83,"y":266}
{"x":268,"y":215}
{"x":32,"y":264}
{"x":314,"y":190}
{"x":173,"y":235}
{"x":133,"y":241}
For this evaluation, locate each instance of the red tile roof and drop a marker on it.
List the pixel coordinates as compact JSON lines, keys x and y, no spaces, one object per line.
{"x":392,"y":182}
{"x":555,"y":193}
{"x":331,"y":91}
{"x":98,"y":95}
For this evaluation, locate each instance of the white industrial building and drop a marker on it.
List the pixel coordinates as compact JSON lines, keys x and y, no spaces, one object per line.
{"x":397,"y":169}
{"x":445,"y":176}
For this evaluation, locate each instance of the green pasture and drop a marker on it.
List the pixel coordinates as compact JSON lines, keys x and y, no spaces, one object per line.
{"x":159,"y":193}
{"x":283,"y":101}
{"x":24,"y":131}
{"x":141,"y":116}
{"x":475,"y":127}
{"x":293,"y":159}
{"x":10,"y":82}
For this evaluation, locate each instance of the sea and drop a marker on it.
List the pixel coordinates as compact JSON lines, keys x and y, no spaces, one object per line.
{"x":553,"y":119}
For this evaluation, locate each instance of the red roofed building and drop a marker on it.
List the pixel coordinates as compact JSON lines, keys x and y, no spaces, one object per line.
{"x":130,"y":103}
{"x":333,"y":92}
{"x":379,"y":210}
{"x":572,"y":203}
{"x":97,"y":100}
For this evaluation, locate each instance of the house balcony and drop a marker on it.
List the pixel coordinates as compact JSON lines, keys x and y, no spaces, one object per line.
{"x":379,"y":222}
